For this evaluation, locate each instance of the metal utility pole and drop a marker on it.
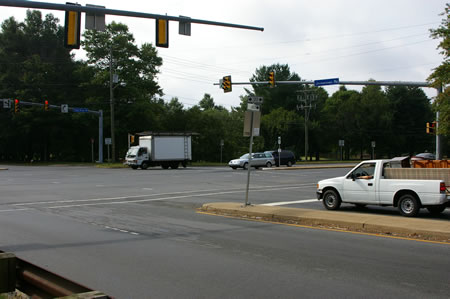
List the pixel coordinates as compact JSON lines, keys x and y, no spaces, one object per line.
{"x":306,"y":99}
{"x":111,"y":102}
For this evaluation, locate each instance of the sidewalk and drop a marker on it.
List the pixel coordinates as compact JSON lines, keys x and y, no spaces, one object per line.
{"x":415,"y":228}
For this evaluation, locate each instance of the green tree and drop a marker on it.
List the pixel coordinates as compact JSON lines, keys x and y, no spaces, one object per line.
{"x":36,"y":67}
{"x":411,"y":109}
{"x":136,"y":68}
{"x":440,"y":78}
{"x":283,"y":95}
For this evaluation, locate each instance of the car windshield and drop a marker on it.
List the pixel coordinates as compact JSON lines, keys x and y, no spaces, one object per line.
{"x":244,"y":156}
{"x":132,"y":152}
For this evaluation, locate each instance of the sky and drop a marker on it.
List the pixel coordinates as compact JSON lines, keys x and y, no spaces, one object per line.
{"x":353,"y":40}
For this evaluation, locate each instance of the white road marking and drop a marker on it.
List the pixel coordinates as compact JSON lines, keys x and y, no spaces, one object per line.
{"x":147,"y":195}
{"x":281,"y":203}
{"x":15,"y":210}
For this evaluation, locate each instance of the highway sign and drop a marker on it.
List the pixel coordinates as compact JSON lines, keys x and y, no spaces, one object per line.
{"x":326,"y":82}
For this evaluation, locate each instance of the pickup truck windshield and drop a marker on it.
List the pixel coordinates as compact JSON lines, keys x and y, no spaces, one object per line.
{"x":364,"y":171}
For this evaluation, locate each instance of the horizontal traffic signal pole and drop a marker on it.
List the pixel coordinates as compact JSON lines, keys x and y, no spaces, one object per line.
{"x":379,"y":83}
{"x":115,"y":12}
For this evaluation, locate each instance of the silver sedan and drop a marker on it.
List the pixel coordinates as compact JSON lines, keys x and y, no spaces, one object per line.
{"x":258,"y":160}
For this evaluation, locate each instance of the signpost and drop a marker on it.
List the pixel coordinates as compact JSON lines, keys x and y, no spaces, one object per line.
{"x":341,"y":145}
{"x":326,"y":82}
{"x":253,"y":112}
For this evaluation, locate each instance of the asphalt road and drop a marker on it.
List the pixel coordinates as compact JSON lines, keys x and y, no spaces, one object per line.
{"x":136,"y":234}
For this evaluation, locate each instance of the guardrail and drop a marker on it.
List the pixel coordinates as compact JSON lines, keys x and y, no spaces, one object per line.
{"x":36,"y":282}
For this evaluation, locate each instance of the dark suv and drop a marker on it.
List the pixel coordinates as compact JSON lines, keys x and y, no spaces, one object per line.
{"x":286,"y":157}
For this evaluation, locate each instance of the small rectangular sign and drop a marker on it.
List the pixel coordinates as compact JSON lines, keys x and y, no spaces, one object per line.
{"x":80,"y":109}
{"x":326,"y":82}
{"x":108,"y":141}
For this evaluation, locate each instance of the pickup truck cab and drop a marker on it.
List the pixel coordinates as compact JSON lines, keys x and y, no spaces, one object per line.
{"x":367,"y":184}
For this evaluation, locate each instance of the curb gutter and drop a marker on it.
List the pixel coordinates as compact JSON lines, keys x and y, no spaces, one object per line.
{"x":415,"y":228}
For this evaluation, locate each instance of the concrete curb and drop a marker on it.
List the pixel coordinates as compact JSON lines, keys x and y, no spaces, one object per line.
{"x":416,"y":228}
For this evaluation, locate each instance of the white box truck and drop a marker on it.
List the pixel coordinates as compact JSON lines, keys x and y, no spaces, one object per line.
{"x":165,"y":150}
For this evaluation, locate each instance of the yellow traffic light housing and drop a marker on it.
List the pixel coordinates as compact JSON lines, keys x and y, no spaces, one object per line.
{"x":226,"y":83}
{"x":431,"y":128}
{"x":162,"y":33}
{"x":272,"y":79}
{"x":72,"y":28}
{"x":46,"y":105}
{"x":16,"y":106}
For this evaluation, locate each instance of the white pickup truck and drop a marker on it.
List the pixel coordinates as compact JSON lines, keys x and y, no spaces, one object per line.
{"x":369,"y":184}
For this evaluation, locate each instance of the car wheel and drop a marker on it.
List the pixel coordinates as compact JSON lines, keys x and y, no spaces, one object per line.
{"x":331,"y":200}
{"x":234,"y":168}
{"x":436,"y":210}
{"x":245,"y":166}
{"x":144,"y":165}
{"x":408,"y":205}
{"x":268,"y":164}
{"x":134,"y":167}
{"x":289,"y":164}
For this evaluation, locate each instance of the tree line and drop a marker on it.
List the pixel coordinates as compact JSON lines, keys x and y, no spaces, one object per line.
{"x":36,"y":67}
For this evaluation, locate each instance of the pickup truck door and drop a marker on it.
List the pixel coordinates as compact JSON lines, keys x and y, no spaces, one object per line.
{"x":359,"y":185}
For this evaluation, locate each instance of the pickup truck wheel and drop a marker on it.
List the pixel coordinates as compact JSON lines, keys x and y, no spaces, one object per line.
{"x":331,"y":200}
{"x":144,"y":165}
{"x":436,"y":210}
{"x":408,"y":205}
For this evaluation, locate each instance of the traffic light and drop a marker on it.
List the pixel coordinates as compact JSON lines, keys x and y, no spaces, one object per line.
{"x":272,"y":79}
{"x":16,"y":106}
{"x":162,"y":33}
{"x":431,"y":127}
{"x":226,"y":83}
{"x":72,"y":28}
{"x":46,"y":105}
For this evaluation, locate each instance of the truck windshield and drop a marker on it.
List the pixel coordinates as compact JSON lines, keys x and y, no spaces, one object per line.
{"x":132,"y":152}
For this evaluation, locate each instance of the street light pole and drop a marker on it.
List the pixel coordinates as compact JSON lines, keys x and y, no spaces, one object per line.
{"x":111,"y":102}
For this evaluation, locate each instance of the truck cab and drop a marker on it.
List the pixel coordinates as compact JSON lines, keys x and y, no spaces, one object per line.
{"x":135,"y":156}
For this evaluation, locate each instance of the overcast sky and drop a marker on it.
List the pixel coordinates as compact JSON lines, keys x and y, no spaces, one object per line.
{"x":352,"y":40}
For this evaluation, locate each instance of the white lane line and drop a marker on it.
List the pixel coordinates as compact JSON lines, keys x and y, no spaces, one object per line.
{"x":15,"y":210}
{"x":171,"y":197}
{"x":281,"y":203}
{"x":148,"y":195}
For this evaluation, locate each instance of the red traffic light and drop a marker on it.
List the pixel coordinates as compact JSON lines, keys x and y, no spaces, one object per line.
{"x":46,"y":105}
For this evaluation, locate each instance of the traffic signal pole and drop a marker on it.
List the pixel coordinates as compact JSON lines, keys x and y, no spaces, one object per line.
{"x":105,"y":11}
{"x":378,"y":83}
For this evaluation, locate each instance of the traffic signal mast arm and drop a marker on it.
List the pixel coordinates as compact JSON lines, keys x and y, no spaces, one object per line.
{"x":93,"y":10}
{"x":380,"y":83}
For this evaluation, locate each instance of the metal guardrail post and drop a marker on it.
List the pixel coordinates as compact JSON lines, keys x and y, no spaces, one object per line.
{"x":7,"y":272}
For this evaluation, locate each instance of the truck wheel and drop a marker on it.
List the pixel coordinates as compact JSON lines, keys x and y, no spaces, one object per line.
{"x":184,"y":164}
{"x":408,"y":205}
{"x":331,"y":200}
{"x":134,"y":167}
{"x":144,"y":165}
{"x":165,"y":165}
{"x":436,"y":210}
{"x":245,"y":166}
{"x":174,"y":165}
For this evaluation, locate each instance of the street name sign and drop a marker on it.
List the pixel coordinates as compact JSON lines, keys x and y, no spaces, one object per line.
{"x":326,"y":82}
